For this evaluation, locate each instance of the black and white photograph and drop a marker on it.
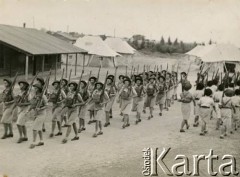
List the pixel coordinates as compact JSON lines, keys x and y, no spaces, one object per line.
{"x":119,"y":88}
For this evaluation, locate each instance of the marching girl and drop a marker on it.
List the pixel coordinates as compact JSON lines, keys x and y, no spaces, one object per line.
{"x":227,"y":108}
{"x":41,"y":81}
{"x":57,"y":97}
{"x":73,"y":101}
{"x":64,"y":86}
{"x":120,"y":84}
{"x":206,"y":104}
{"x":138,"y":100}
{"x":23,"y":107}
{"x":169,"y":93}
{"x":217,"y":97}
{"x":186,"y":99}
{"x":83,"y":108}
{"x":197,"y":95}
{"x":126,"y":95}
{"x":111,"y":91}
{"x":161,"y":94}
{"x":99,"y":98}
{"x":8,"y":107}
{"x":91,"y":86}
{"x":151,"y":90}
{"x":235,"y":115}
{"x":39,"y":113}
{"x":175,"y":82}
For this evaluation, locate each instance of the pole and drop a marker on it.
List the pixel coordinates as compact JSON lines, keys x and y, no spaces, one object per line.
{"x":55,"y":74}
{"x":43,"y":62}
{"x":76,"y":65}
{"x":26,"y":67}
{"x":66,"y":66}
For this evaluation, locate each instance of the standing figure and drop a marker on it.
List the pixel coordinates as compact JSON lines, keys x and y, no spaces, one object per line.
{"x":57,"y":97}
{"x":151,"y":91}
{"x":138,"y":100}
{"x":111,"y":91}
{"x":126,"y":95}
{"x":38,"y":105}
{"x":99,"y":98}
{"x":91,"y":86}
{"x":8,"y":107}
{"x":161,"y":94}
{"x":73,"y":101}
{"x":83,"y":108}
{"x":64,"y":86}
{"x":197,"y":95}
{"x":23,"y":103}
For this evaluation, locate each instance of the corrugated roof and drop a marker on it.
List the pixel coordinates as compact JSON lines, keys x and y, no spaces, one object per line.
{"x":35,"y":42}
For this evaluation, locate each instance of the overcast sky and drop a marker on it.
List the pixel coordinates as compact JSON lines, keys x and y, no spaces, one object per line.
{"x":189,"y":20}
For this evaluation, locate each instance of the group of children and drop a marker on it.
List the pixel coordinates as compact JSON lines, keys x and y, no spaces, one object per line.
{"x":72,"y":103}
{"x":213,"y":100}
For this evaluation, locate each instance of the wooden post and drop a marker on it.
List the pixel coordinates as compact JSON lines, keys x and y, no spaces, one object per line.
{"x":76,"y":64}
{"x":43,"y":63}
{"x":84,"y":61}
{"x":56,"y":68}
{"x":26,"y":67}
{"x":66,"y":66}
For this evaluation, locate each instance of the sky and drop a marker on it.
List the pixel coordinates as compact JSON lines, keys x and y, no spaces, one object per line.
{"x":187,"y":20}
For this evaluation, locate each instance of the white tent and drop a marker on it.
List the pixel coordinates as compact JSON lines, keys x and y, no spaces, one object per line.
{"x":100,"y":52}
{"x":123,"y":48}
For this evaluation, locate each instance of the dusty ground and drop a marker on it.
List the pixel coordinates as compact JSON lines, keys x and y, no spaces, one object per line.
{"x":118,"y":153}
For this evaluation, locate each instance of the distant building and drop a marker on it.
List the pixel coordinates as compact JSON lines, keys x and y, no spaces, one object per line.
{"x":66,"y":37}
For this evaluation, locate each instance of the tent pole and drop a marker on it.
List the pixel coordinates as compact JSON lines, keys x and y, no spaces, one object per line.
{"x":84,"y":61}
{"x":43,"y":62}
{"x":26,"y":67}
{"x":66,"y":66}
{"x":76,"y":65}
{"x":55,"y":68}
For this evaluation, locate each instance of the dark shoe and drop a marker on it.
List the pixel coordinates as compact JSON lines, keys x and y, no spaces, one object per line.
{"x":40,"y":144}
{"x":106,"y":124}
{"x":25,"y":139}
{"x":64,"y":125}
{"x":167,"y":109}
{"x":79,"y":130}
{"x":94,"y":135}
{"x":188,"y":126}
{"x":51,"y":135}
{"x":75,"y":138}
{"x":136,"y":122}
{"x":89,"y":122}
{"x":4,"y":137}
{"x":9,"y":135}
{"x":20,"y":140}
{"x":149,"y":117}
{"x":127,"y":125}
{"x":205,"y":131}
{"x":100,"y":133}
{"x":221,"y":137}
{"x":32,"y":146}
{"x":182,"y":130}
{"x":140,"y":120}
{"x":123,"y":126}
{"x":231,"y":132}
{"x":202,"y":134}
{"x":110,"y":117}
{"x":160,"y":114}
{"x":121,"y":114}
{"x":83,"y":129}
{"x":64,"y":141}
{"x":59,"y":134}
{"x":44,"y":130}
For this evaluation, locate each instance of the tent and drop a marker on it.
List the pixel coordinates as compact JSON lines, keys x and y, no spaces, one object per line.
{"x":123,"y":48}
{"x":219,"y":56}
{"x":100,"y":52}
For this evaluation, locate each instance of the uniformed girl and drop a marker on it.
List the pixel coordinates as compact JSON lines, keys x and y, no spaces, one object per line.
{"x":186,"y":99}
{"x":91,"y":86}
{"x":226,"y":107}
{"x":8,"y":107}
{"x":206,"y":104}
{"x":111,"y":91}
{"x":64,"y":87}
{"x":73,"y":101}
{"x":23,"y":102}
{"x":83,"y":108}
{"x":138,"y":100}
{"x":199,"y":92}
{"x":161,"y":94}
{"x":38,"y":105}
{"x":151,"y":91}
{"x":57,"y":97}
{"x":175,"y":86}
{"x":126,"y":95}
{"x":120,"y":84}
{"x":169,"y":92}
{"x":235,"y":114}
{"x":99,"y":98}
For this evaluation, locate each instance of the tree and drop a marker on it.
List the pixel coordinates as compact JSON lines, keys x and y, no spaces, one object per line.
{"x":175,"y":42}
{"x":162,"y":42}
{"x":169,"y":41}
{"x":210,"y":42}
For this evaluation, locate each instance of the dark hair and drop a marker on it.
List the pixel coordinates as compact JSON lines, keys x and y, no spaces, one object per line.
{"x":221,"y":87}
{"x":209,"y":83}
{"x":238,"y":83}
{"x":231,"y":85}
{"x":207,"y":92}
{"x":237,"y":92}
{"x":215,"y":81}
{"x":200,"y":86}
